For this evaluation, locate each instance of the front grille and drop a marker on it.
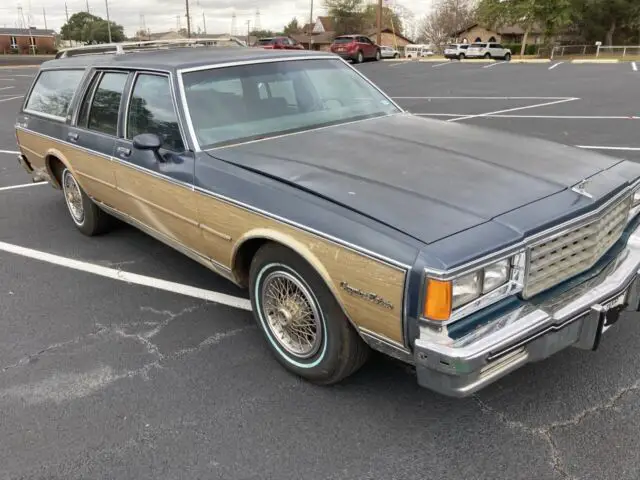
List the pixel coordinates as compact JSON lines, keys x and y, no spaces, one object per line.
{"x":575,"y":251}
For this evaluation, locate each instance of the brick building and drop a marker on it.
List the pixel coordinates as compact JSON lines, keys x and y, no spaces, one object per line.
{"x":26,"y":41}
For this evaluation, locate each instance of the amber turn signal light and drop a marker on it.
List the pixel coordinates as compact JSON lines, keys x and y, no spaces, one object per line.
{"x":437,"y":304}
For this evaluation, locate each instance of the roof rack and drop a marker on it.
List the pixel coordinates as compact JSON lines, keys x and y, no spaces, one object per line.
{"x":127,"y":47}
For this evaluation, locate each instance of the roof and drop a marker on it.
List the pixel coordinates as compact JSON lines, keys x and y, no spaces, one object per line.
{"x":327,"y":23}
{"x":177,"y":58}
{"x":502,"y":30}
{"x":27,"y":31}
{"x":388,"y":30}
{"x":317,"y":38}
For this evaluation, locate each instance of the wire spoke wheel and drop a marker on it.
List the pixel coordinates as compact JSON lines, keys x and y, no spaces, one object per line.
{"x":292,"y":314}
{"x":73,"y":197}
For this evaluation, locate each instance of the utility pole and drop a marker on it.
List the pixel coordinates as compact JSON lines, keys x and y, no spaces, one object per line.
{"x":88,"y":7}
{"x":311,"y":23}
{"x":188,"y":20}
{"x":248,"y":27}
{"x":44,"y":14}
{"x":66,"y":11}
{"x":106,"y":4}
{"x":204,"y":23}
{"x":379,"y":23}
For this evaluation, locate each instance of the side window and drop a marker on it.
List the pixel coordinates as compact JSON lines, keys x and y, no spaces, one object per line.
{"x":103,"y":113}
{"x":83,"y":115}
{"x":151,"y":110}
{"x":53,"y":92}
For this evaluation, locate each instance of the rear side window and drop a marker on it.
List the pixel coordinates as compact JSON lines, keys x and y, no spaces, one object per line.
{"x":103,"y":113}
{"x":151,"y":111}
{"x":53,"y":92}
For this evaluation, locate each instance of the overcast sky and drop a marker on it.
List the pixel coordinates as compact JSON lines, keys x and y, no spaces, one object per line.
{"x":161,"y":15}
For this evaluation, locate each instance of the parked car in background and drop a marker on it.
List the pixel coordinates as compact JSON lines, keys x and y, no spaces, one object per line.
{"x":456,"y":50}
{"x":283,"y":43}
{"x":488,"y":50}
{"x":389,"y":52}
{"x":357,"y":48}
{"x":417,"y":51}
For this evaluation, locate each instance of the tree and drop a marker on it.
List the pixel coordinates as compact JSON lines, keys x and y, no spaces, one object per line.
{"x":611,"y":21}
{"x":447,"y":18}
{"x":552,"y":15}
{"x":261,"y":33}
{"x":292,"y":27}
{"x":87,"y":28}
{"x":389,"y":18}
{"x":347,"y":15}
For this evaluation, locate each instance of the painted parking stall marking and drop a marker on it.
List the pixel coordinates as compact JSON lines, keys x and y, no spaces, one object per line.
{"x":555,"y":65}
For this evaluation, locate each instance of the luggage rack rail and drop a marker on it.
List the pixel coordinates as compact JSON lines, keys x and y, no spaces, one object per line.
{"x":128,"y":47}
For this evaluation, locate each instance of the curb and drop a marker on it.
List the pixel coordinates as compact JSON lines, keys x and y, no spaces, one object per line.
{"x":603,"y":60}
{"x":530,"y":60}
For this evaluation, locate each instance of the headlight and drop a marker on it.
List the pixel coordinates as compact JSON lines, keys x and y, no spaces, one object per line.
{"x":443,"y":297}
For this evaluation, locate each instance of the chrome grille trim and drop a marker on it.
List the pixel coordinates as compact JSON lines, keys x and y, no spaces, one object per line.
{"x":575,"y":249}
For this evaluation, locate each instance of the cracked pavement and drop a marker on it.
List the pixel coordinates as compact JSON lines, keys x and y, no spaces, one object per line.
{"x":100,"y":379}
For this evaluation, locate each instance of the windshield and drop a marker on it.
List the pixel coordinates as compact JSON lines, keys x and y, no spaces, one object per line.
{"x":343,"y":40}
{"x":248,"y":102}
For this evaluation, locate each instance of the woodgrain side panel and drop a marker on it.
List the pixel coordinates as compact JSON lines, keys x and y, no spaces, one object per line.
{"x":334,"y":262}
{"x":94,"y":173}
{"x":164,"y":206}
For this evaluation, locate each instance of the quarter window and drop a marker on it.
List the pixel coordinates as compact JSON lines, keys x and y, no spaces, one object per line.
{"x":103,"y":115}
{"x":151,"y":111}
{"x":53,"y":92}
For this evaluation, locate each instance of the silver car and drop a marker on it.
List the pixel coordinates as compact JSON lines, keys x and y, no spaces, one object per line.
{"x":388,"y":52}
{"x":456,"y":50}
{"x":488,"y":50}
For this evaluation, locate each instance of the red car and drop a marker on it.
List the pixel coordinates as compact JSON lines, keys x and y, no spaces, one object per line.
{"x":355,"y":47}
{"x":279,"y":43}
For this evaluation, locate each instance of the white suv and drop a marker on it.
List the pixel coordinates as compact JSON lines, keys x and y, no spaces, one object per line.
{"x":488,"y":50}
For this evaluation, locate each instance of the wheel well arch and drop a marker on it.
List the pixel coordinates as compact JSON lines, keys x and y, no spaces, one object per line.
{"x":55,"y":165}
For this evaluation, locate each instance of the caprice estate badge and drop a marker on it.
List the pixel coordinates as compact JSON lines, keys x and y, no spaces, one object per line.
{"x":370,"y":296}
{"x":581,"y":188}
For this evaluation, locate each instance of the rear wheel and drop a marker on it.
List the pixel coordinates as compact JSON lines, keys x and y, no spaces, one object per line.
{"x":305,"y":327}
{"x":359,"y":57}
{"x":89,"y":219}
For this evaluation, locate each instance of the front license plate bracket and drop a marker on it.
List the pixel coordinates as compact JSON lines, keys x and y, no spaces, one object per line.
{"x":609,"y":314}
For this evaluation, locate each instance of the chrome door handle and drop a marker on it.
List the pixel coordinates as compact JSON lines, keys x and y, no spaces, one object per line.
{"x":123,"y":151}
{"x":73,"y":136}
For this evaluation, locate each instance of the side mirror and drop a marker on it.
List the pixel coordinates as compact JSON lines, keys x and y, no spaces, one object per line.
{"x":147,"y":141}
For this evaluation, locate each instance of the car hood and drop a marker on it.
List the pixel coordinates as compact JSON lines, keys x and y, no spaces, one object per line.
{"x":426,"y":178}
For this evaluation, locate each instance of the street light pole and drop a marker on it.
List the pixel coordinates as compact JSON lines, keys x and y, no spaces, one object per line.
{"x":379,"y":23}
{"x":106,"y":2}
{"x":311,"y":26}
{"x":248,"y":32}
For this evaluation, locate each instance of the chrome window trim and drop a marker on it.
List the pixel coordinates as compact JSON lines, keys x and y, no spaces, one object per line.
{"x":97,"y":75}
{"x":48,"y":116}
{"x":169,"y":78}
{"x":181,"y":71}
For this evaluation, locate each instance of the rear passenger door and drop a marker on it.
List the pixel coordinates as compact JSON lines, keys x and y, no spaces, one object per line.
{"x":157,"y":184}
{"x":94,"y":134}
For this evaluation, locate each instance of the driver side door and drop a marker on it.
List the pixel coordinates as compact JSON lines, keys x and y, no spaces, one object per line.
{"x":157,"y":183}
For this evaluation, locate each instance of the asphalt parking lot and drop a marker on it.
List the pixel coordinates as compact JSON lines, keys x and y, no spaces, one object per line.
{"x":101,"y":378}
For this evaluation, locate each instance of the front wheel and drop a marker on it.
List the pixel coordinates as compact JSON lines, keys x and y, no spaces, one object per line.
{"x":487,"y":55}
{"x":396,"y":55}
{"x":461,"y":56}
{"x":87,"y":216}
{"x":507,"y":57}
{"x":303,"y":324}
{"x":377,"y":55}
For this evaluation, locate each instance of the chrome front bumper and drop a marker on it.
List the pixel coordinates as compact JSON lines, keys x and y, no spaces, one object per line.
{"x":533,"y":331}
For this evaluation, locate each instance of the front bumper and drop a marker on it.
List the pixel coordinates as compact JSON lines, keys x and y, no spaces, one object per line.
{"x":533,"y":331}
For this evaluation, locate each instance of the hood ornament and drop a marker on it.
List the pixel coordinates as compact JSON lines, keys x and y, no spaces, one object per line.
{"x":580,"y":188}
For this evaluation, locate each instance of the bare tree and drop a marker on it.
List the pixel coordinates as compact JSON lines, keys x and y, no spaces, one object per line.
{"x":447,"y":18}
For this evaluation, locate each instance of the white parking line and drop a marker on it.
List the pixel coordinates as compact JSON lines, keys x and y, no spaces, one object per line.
{"x":10,"y":152}
{"x":24,"y":185}
{"x":555,"y":65}
{"x":493,"y":64}
{"x":10,"y":98}
{"x":128,"y":277}
{"x":634,"y":65}
{"x":440,"y":64}
{"x":6,"y":88}
{"x":7,"y":79}
{"x":513,"y":109}
{"x":399,"y":64}
{"x":597,"y":147}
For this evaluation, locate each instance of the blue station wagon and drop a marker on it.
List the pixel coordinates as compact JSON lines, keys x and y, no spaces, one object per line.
{"x":353,"y":224}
